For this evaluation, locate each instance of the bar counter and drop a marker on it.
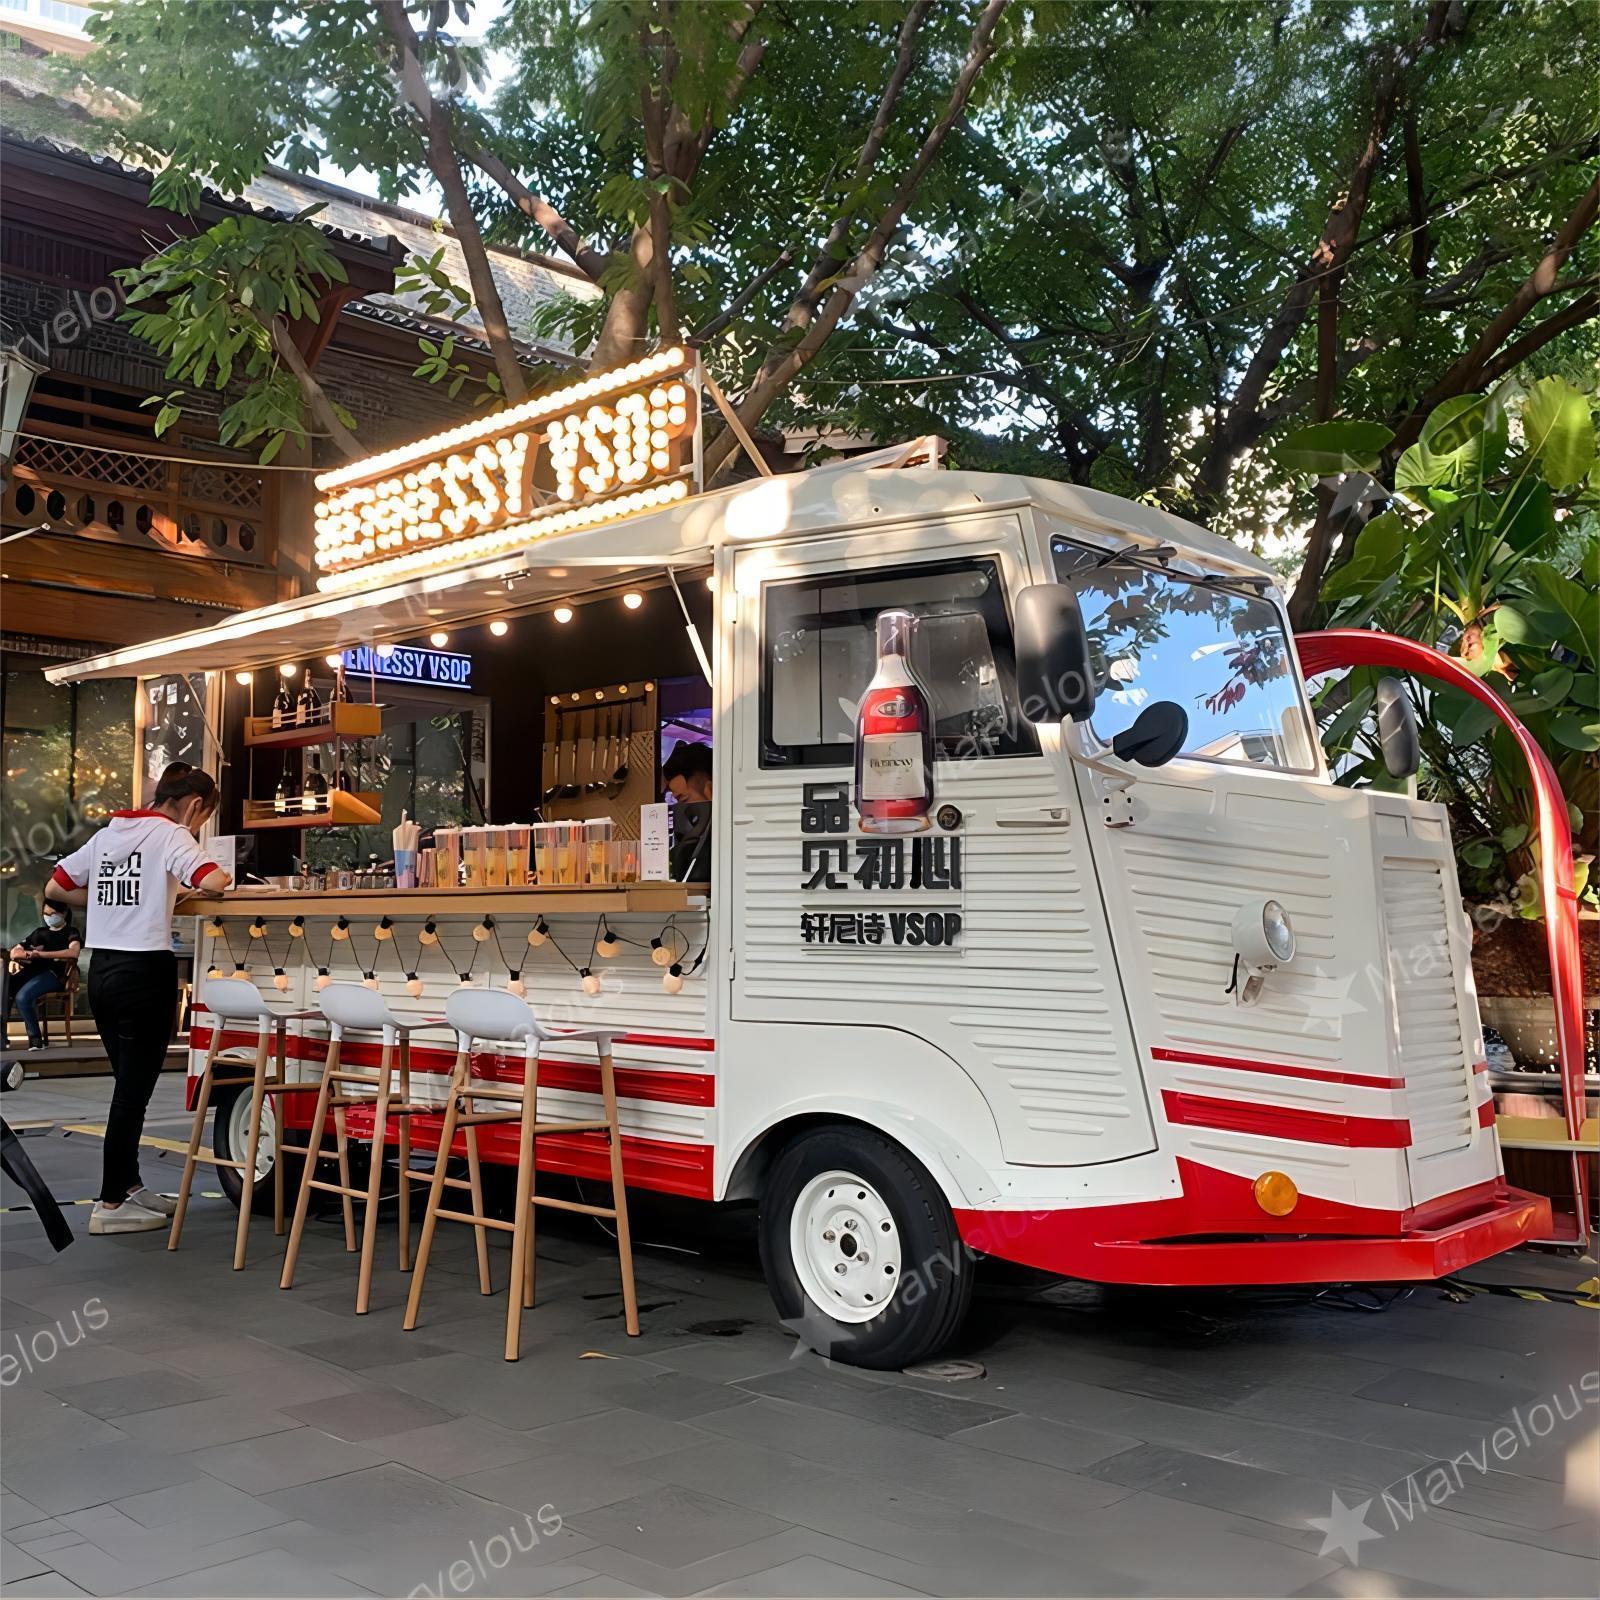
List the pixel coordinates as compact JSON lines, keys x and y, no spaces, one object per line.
{"x":647,"y":899}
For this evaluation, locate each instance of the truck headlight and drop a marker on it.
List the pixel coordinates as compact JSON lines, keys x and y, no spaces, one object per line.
{"x":1263,"y":941}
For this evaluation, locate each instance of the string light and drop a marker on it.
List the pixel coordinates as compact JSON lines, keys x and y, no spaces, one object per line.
{"x":280,"y":979}
{"x":591,"y":984}
{"x":214,"y":928}
{"x":538,"y":933}
{"x":607,"y":944}
{"x":258,"y":929}
{"x":240,"y":972}
{"x":672,"y":978}
{"x":429,"y":933}
{"x":213,"y":971}
{"x":413,"y":984}
{"x":369,"y":980}
{"x":323,"y":980}
{"x":516,"y":985}
{"x":465,"y":979}
{"x":334,"y":660}
{"x":384,"y":930}
{"x":297,"y":928}
{"x":484,"y":930}
{"x":340,"y":929}
{"x":659,"y":953}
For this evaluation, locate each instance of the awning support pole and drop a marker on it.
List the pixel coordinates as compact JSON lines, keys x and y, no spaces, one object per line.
{"x":688,"y":627}
{"x":731,"y":417}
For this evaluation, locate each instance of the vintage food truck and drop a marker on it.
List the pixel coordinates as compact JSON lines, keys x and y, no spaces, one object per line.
{"x":1034,"y":924}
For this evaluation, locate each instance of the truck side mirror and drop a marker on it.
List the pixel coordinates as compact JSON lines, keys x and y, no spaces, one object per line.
{"x":1157,"y":734}
{"x":1055,"y":681}
{"x":1397,"y":729}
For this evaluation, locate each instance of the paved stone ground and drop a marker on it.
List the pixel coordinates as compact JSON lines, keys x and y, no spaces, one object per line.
{"x":199,"y":1433}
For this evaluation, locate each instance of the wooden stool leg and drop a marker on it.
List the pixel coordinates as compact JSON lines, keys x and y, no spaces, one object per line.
{"x":522,"y":1216}
{"x":341,"y":1140}
{"x":369,"y":1220}
{"x":531,"y":1260}
{"x":619,"y":1193}
{"x":302,"y":1205}
{"x":430,"y":1216}
{"x":202,"y":1104}
{"x":405,"y":1155}
{"x":277,"y":1125}
{"x":258,"y":1098}
{"x":475,"y":1180}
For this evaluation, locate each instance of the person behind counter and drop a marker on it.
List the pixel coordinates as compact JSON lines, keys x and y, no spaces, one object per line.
{"x":686,"y":776}
{"x":40,"y":965}
{"x":128,"y":876}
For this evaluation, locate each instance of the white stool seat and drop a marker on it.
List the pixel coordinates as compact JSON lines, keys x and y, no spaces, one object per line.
{"x":353,"y":1005}
{"x":240,"y":1001}
{"x":496,"y":1014}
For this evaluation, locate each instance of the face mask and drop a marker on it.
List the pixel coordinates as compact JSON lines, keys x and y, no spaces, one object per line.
{"x":55,"y":922}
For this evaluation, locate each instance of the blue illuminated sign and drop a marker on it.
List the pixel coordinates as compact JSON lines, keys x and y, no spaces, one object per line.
{"x":406,"y":663}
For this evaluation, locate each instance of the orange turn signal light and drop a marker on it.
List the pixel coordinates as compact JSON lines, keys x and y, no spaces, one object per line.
{"x":1276,"y":1194}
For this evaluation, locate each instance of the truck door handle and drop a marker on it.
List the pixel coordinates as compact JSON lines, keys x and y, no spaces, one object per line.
{"x":1035,"y":817}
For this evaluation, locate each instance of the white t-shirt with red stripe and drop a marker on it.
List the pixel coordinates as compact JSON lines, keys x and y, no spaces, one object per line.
{"x":134,"y":868}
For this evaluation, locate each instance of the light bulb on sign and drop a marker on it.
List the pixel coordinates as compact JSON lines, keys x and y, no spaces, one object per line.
{"x":384,"y":651}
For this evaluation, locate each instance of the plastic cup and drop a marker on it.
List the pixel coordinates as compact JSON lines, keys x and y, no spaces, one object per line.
{"x":494,"y":857}
{"x":405,"y":869}
{"x":597,"y":836}
{"x":518,"y":867}
{"x":447,"y":843}
{"x":474,"y":858}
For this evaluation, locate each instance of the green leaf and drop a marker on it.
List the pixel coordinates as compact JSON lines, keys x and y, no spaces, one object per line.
{"x":1511,"y":625}
{"x":1480,"y":854}
{"x":1576,"y":730}
{"x":274,"y":445}
{"x":1553,"y":686}
{"x":1468,"y":720}
{"x":1528,"y":517}
{"x":1512,"y":838}
{"x":1330,"y":447}
{"x":1559,"y":431}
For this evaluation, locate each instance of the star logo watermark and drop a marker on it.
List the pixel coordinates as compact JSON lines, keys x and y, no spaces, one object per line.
{"x":1345,"y":1529}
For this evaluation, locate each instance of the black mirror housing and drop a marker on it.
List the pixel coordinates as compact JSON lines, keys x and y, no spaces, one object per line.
{"x":1397,"y":729}
{"x":1055,"y":682}
{"x":1157,"y":734}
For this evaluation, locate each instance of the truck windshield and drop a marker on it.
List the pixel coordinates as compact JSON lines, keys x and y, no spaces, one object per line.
{"x":1217,"y":651}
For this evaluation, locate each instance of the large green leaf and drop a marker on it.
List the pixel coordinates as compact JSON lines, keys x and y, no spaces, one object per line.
{"x":1559,"y":431}
{"x":1462,"y":443}
{"x":1576,"y":730}
{"x":1329,"y":447}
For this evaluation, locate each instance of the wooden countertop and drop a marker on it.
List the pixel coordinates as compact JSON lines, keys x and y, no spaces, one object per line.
{"x":649,"y":898}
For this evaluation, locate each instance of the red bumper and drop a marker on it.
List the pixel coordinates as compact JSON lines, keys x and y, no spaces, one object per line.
{"x":1100,"y":1245}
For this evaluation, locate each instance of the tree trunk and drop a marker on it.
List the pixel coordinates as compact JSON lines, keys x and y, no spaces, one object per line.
{"x":316,"y":396}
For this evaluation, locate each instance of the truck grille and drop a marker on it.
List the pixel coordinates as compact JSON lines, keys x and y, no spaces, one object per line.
{"x":1433,"y":1056}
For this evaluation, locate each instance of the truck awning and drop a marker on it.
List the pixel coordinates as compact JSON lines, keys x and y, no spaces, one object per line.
{"x":314,"y":625}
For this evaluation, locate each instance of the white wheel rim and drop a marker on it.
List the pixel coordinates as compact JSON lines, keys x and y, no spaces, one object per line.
{"x":845,"y":1243}
{"x":239,"y":1135}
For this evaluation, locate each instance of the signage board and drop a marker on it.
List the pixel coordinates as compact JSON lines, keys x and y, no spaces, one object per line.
{"x":407,"y":663}
{"x":609,"y":446}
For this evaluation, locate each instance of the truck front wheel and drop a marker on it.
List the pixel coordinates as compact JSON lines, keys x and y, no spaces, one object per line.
{"x":860,"y":1249}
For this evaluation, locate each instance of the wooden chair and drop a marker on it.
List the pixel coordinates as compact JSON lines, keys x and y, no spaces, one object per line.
{"x":353,"y":1008}
{"x":238,"y":1000}
{"x":496,"y":1015}
{"x":66,"y":997}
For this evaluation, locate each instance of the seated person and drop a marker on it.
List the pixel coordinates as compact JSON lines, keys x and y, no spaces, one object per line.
{"x":686,"y":775}
{"x":39,"y":966}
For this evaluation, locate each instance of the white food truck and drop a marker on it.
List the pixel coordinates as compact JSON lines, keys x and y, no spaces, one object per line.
{"x":1118,"y":984}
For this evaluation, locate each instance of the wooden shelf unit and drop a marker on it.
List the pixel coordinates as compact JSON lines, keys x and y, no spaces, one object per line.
{"x":339,"y":721}
{"x":344,"y":811}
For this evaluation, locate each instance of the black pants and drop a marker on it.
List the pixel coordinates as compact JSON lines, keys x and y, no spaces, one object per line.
{"x":135,"y":998}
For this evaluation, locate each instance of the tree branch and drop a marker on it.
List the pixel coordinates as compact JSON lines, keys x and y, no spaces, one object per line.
{"x":589,"y":261}
{"x":315,"y":395}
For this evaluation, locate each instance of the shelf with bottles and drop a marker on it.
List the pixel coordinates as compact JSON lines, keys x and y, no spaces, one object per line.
{"x":335,"y":808}
{"x":338,"y":719}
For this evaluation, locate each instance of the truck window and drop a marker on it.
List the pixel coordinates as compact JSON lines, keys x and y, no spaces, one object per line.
{"x":1217,"y":650}
{"x":818,"y":655}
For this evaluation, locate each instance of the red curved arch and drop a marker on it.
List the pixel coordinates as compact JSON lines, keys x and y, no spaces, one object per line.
{"x":1355,"y":647}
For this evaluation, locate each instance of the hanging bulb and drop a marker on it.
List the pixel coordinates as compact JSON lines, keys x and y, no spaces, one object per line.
{"x":384,"y":930}
{"x":241,"y":972}
{"x":213,"y":972}
{"x":607,"y":944}
{"x":483,"y":929}
{"x":538,"y":933}
{"x":516,"y":985}
{"x":591,"y":984}
{"x":659,"y":953}
{"x":429,"y":934}
{"x":323,"y":980}
{"x":465,"y":979}
{"x":369,"y":980}
{"x":413,"y":984}
{"x":672,"y":978}
{"x":297,"y":928}
{"x":341,"y":929}
{"x":280,"y":979}
{"x":258,"y":929}
{"x":214,"y":928}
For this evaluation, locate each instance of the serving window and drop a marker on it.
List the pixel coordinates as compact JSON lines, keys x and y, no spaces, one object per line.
{"x":819,"y":654}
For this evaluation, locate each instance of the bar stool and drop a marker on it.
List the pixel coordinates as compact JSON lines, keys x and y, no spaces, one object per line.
{"x":496,"y":1015}
{"x":353,"y":1008}
{"x":238,"y":1000}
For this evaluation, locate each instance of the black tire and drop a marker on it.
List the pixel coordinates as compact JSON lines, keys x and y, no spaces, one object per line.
{"x":230,"y":1121}
{"x":933,"y":1284}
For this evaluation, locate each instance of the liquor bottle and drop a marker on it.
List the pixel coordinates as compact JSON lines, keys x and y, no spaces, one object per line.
{"x":308,"y":707}
{"x":283,"y":706}
{"x":341,"y":778}
{"x":894,"y":737}
{"x":280,"y":795}
{"x":315,"y":795}
{"x":341,"y":689}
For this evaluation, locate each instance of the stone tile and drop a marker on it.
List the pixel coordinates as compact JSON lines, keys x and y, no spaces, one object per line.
{"x":390,"y":1498}
{"x":224,"y":1357}
{"x":283,"y":1460}
{"x":1053,"y":1444}
{"x":206,"y":1422}
{"x":673,"y":1525}
{"x":805,"y":1577}
{"x":47,"y":1586}
{"x":451,"y":1449}
{"x":569,"y":1482}
{"x":72,"y":1479}
{"x":110,"y":1398}
{"x":367,"y":1413}
{"x":279,"y":1573}
{"x":38,"y":1423}
{"x":373,"y":1346}
{"x":620,"y":1435}
{"x":16,"y":1564}
{"x":220,"y":1509}
{"x":477,"y":1384}
{"x":1456,"y":1397}
{"x":905,"y":1406}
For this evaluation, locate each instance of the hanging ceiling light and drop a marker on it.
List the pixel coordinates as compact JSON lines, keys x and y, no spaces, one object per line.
{"x":438,"y":638}
{"x":287,"y":668}
{"x":562,"y":614}
{"x":499,"y":627}
{"x":633,"y":599}
{"x":244,"y":679}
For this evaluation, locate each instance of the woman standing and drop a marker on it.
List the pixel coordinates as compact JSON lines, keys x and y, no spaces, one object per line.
{"x":129,"y":876}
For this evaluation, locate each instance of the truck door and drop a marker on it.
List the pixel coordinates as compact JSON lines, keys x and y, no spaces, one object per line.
{"x":983,"y":934}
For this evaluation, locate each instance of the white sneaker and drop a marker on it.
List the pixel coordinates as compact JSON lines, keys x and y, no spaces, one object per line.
{"x":166,"y":1204}
{"x":129,"y":1217}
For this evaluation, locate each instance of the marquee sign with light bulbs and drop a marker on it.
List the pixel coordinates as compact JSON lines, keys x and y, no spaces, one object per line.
{"x":610,"y":446}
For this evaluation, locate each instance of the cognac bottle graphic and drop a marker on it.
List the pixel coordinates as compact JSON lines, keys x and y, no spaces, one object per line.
{"x":894,"y":737}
